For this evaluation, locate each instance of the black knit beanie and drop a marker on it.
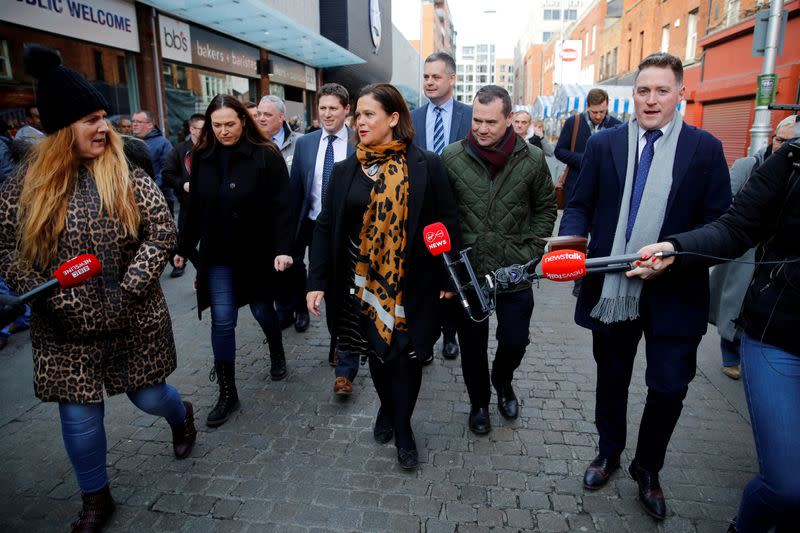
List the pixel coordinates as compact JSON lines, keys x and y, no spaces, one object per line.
{"x":62,"y":95}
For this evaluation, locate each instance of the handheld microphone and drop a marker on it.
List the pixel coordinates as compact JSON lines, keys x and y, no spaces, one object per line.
{"x":569,"y":265}
{"x":69,"y":274}
{"x":437,"y":239}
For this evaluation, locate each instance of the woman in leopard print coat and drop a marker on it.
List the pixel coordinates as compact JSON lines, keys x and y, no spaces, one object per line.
{"x":78,"y":194}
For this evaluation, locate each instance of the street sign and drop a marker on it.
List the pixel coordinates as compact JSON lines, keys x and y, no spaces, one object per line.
{"x":765,"y":92}
{"x":569,"y":54}
{"x":760,"y":32}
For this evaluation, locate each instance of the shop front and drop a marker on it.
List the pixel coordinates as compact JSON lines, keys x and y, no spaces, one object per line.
{"x":295,"y":84}
{"x":197,"y":65}
{"x":98,"y":38}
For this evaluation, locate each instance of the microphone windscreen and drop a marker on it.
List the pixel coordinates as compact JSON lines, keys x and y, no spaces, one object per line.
{"x":437,"y":239}
{"x":77,"y":270}
{"x":564,"y":265}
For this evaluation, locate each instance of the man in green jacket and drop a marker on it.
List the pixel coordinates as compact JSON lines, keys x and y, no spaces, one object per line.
{"x":507,"y":208}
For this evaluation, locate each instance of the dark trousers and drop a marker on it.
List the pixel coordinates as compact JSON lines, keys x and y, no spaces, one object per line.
{"x":514,"y":311}
{"x":450,"y":310}
{"x":671,"y":365}
{"x":397,"y":383}
{"x":293,"y":299}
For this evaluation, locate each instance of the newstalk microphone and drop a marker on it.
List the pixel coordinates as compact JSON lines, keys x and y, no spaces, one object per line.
{"x":569,"y":265}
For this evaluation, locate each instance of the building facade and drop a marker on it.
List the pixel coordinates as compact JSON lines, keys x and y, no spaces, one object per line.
{"x":437,"y":31}
{"x":475,"y":67}
{"x":173,"y":58}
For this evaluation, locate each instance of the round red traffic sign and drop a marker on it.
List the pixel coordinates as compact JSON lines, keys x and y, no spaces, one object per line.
{"x":569,"y":54}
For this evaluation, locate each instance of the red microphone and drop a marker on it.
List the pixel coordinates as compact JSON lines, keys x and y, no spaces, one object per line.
{"x":70,"y":274}
{"x":564,"y":265}
{"x":437,"y":239}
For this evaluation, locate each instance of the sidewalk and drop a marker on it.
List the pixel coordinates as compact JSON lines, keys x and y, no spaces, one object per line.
{"x":294,"y":459}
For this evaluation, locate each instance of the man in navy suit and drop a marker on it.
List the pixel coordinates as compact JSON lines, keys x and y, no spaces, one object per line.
{"x":314,"y":156}
{"x":438,"y":123}
{"x":652,"y":177}
{"x":594,"y":119}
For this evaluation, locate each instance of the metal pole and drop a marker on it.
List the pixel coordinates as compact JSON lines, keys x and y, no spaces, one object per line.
{"x":762,"y":121}
{"x":157,"y":73}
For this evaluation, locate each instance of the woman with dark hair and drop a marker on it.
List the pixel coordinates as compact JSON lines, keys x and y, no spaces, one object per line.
{"x":239,"y":215}
{"x":370,"y":263}
{"x":77,"y":193}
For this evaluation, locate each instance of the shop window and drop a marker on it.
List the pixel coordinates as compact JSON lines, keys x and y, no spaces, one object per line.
{"x":5,"y":61}
{"x":99,"y":71}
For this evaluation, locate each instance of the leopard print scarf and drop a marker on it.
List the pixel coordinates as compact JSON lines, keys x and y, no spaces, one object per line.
{"x":380,"y":267}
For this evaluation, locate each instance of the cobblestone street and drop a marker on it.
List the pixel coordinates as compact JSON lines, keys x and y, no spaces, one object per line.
{"x":295,"y":459}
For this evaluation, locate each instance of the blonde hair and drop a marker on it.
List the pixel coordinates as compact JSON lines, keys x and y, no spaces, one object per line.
{"x":48,"y":185}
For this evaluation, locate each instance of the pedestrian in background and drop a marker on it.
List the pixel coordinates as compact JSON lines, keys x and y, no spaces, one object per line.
{"x":440,"y":122}
{"x":124,"y":125}
{"x":370,"y":263}
{"x":765,"y":215}
{"x":176,"y":172}
{"x":239,"y":215}
{"x":314,"y":158}
{"x":114,"y":333}
{"x":594,"y":119}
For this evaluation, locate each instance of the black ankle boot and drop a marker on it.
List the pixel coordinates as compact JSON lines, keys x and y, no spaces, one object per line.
{"x":184,"y":434}
{"x":277,"y":357}
{"x":228,"y":400}
{"x":97,"y":509}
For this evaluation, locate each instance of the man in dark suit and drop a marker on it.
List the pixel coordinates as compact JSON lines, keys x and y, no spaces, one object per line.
{"x":594,"y":119}
{"x":314,"y":156}
{"x":674,"y":176}
{"x":440,"y":122}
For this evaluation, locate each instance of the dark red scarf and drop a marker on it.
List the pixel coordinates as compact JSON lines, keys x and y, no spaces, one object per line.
{"x":495,"y":157}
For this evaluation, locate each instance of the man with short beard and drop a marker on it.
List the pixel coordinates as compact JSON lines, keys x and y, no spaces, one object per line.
{"x":507,"y":207}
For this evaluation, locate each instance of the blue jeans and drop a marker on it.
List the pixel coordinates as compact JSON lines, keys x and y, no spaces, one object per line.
{"x":23,"y":321}
{"x":346,"y":364}
{"x":85,"y":437}
{"x":731,"y":353}
{"x":224,"y":314}
{"x":772,"y":387}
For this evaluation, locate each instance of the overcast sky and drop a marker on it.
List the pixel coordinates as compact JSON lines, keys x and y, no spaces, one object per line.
{"x":471,"y":21}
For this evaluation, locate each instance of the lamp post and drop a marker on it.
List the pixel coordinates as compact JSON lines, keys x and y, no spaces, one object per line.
{"x":759,"y":133}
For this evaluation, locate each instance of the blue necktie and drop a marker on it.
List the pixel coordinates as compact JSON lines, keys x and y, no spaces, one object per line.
{"x":642,"y":170}
{"x":438,"y":131}
{"x":327,"y":168}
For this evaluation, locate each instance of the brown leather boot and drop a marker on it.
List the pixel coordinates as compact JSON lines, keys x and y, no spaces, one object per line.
{"x":97,"y":509}
{"x":184,"y":434}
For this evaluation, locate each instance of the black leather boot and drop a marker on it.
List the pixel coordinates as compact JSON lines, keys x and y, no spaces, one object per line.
{"x":228,"y":400}
{"x":277,"y":357}
{"x":184,"y":434}
{"x":97,"y":509}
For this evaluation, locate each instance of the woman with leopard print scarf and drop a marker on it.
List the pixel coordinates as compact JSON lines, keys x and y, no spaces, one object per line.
{"x":78,"y":194}
{"x":369,"y":261}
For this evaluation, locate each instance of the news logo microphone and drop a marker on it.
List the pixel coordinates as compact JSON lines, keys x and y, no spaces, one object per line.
{"x":70,"y":274}
{"x":437,"y":239}
{"x":563,"y":265}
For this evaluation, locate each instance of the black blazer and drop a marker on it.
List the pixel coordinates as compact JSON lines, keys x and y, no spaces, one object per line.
{"x":430,"y":200}
{"x":573,"y":159}
{"x":262,"y":225}
{"x":175,"y":174}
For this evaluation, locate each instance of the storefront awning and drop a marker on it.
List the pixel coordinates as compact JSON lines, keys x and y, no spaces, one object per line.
{"x":255,"y":22}
{"x":543,"y":107}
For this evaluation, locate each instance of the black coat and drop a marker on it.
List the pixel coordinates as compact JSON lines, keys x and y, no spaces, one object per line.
{"x":175,"y":172}
{"x":262,"y":226}
{"x":573,"y":158}
{"x":430,"y":200}
{"x":766,"y":212}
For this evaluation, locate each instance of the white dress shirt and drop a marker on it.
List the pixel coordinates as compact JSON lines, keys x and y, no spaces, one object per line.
{"x":643,"y":141}
{"x":339,"y":153}
{"x":430,"y":122}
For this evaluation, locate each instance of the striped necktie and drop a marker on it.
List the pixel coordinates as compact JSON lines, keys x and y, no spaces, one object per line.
{"x":438,"y":131}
